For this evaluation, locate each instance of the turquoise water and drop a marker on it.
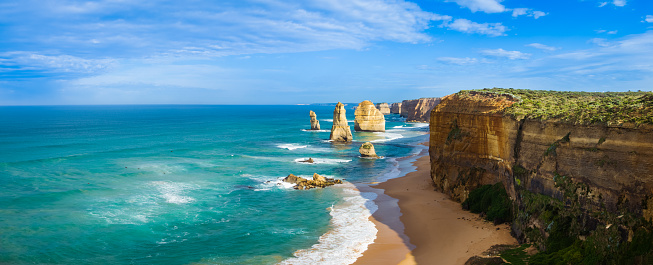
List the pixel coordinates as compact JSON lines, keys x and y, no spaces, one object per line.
{"x":185,"y":184}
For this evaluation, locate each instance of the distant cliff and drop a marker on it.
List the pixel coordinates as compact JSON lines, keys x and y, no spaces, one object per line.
{"x":395,"y":108}
{"x":418,"y":110}
{"x":590,"y":152}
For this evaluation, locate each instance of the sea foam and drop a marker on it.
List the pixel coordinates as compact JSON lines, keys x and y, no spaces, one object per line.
{"x":352,"y":231}
{"x":291,"y":146}
{"x":328,"y":161}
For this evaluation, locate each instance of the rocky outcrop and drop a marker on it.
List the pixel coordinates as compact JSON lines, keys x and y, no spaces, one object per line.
{"x":367,"y":150}
{"x":340,"y":131}
{"x":315,"y":124}
{"x":418,"y":110}
{"x":368,"y":118}
{"x":383,"y":108}
{"x":395,"y":108}
{"x":473,"y":143}
{"x":318,"y":181}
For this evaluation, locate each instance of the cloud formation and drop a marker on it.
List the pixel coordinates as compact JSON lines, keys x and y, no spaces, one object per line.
{"x":542,"y":47}
{"x":512,"y":55}
{"x":487,"y":6}
{"x":468,"y":26}
{"x":458,"y":61}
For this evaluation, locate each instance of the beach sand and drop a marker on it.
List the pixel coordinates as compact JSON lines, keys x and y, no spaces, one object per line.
{"x":432,"y":229}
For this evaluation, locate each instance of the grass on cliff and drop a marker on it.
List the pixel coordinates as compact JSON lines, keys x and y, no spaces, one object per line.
{"x":578,"y":107}
{"x":491,"y":201}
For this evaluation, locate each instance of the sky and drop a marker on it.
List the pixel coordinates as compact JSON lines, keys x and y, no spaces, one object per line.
{"x":68,"y":52}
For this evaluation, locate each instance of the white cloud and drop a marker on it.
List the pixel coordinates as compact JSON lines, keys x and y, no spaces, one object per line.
{"x":487,"y":6}
{"x":458,"y":61}
{"x":614,"y":2}
{"x":619,"y":2}
{"x":649,"y":18}
{"x":611,"y":32}
{"x":467,"y":26}
{"x":543,"y":47}
{"x":512,"y":55}
{"x":56,"y":63}
{"x":600,"y":42}
{"x":528,"y":12}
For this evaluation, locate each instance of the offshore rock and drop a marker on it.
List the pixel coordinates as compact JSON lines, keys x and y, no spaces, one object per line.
{"x":309,"y":160}
{"x":395,"y":108}
{"x":318,"y":181}
{"x":368,"y":118}
{"x":418,"y":110}
{"x":315,"y":124}
{"x":383,"y":108}
{"x":294,"y":179}
{"x":367,"y":150}
{"x":340,"y":131}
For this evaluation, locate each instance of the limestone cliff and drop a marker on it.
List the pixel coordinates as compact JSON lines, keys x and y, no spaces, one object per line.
{"x":395,"y":108}
{"x":315,"y":124}
{"x":383,"y":108}
{"x":340,"y":131}
{"x":368,"y":118}
{"x":418,"y":110}
{"x":473,"y":143}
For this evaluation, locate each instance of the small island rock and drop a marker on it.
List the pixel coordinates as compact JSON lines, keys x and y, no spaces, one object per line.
{"x":367,"y":150}
{"x":369,"y":118}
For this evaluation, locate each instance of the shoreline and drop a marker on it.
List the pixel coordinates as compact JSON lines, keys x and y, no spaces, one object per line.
{"x":418,"y":225}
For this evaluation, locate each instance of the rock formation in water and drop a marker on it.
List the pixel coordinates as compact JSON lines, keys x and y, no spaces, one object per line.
{"x":418,"y":110}
{"x":395,"y":108}
{"x":383,"y":108}
{"x":315,"y":124}
{"x":309,"y":160}
{"x":588,"y":162}
{"x":340,"y":131}
{"x":367,"y":150}
{"x":368,"y":118}
{"x":318,"y":181}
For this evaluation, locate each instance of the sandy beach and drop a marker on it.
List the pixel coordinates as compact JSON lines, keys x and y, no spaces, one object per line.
{"x":431,"y":228}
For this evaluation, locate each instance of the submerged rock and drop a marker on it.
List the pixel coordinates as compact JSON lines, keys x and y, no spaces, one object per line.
{"x":384,"y":108}
{"x":315,"y":124}
{"x":309,"y":160}
{"x":369,"y":118}
{"x":367,"y":150}
{"x":340,"y":131}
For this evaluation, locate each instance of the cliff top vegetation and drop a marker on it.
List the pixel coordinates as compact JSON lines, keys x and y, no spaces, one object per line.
{"x":612,"y":108}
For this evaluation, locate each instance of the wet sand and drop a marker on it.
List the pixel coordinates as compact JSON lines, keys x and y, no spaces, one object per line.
{"x":431,"y":228}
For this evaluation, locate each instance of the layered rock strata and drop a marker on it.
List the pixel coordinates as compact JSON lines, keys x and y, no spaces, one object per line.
{"x":418,"y":110}
{"x":383,"y":108}
{"x":318,"y":181}
{"x":367,"y":150}
{"x":395,"y":108}
{"x":340,"y":131}
{"x":473,"y":143}
{"x":315,"y":124}
{"x":368,"y":118}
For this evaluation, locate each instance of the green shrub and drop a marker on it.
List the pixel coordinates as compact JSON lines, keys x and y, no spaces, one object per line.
{"x":491,"y":200}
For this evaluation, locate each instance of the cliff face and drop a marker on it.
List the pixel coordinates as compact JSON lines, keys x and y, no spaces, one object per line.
{"x":472,"y":143}
{"x":395,"y":108}
{"x":383,"y":108}
{"x":368,"y":118}
{"x":418,"y":110}
{"x":340,"y":131}
{"x":315,"y":124}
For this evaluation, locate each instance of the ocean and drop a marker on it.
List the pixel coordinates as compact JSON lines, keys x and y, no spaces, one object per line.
{"x":187,"y":184}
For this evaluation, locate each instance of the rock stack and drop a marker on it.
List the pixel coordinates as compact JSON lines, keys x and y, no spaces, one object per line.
{"x":418,"y":110}
{"x":340,"y":131}
{"x":305,"y":184}
{"x":367,"y":150}
{"x":368,"y":118}
{"x":383,"y":108}
{"x":315,"y":124}
{"x":395,"y":108}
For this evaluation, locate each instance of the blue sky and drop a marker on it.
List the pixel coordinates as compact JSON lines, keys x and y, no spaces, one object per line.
{"x":292,"y":52}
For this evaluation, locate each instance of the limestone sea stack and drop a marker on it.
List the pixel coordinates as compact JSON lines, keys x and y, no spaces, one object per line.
{"x":395,"y":108}
{"x":367,"y":150}
{"x":383,"y":108}
{"x":315,"y":124}
{"x":418,"y":110}
{"x":368,"y":118}
{"x":340,"y":131}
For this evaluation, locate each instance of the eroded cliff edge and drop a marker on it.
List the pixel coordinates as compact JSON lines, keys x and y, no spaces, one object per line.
{"x":479,"y":138}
